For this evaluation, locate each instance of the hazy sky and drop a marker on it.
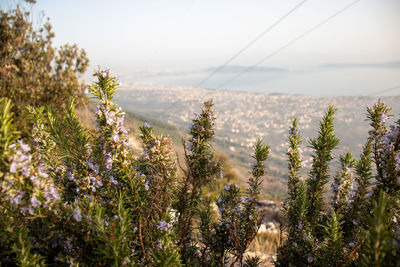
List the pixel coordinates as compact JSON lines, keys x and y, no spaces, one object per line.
{"x":132,"y":37}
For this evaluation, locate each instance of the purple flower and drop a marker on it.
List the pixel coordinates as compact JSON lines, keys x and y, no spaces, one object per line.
{"x":397,"y":162}
{"x":300,"y":225}
{"x":54,"y":192}
{"x":120,"y":121}
{"x":77,"y":215}
{"x":17,"y":198}
{"x":99,"y":183}
{"x":219,"y":200}
{"x":25,"y":171}
{"x":384,"y":117}
{"x":30,"y":210}
{"x":105,"y":73}
{"x":190,"y":146}
{"x":248,"y":198}
{"x":24,"y":147}
{"x":146,"y":125}
{"x":42,"y":172}
{"x":93,"y":166}
{"x":310,"y":258}
{"x":163,"y":226}
{"x":109,"y":162}
{"x":109,"y":121}
{"x":35,"y":202}
{"x":68,"y":245}
{"x":159,"y":244}
{"x":22,"y":157}
{"x":250,"y":217}
{"x":115,"y":182}
{"x":110,"y":117}
{"x":115,"y":137}
{"x":221,"y":174}
{"x":13,"y":167}
{"x":236,"y":186}
{"x":70,"y":176}
{"x":221,"y":209}
{"x":227,"y":187}
{"x":48,"y":195}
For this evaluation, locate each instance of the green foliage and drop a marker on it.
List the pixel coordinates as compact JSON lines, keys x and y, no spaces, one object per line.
{"x":8,"y":133}
{"x":227,"y":236}
{"x":342,"y":185}
{"x":252,"y":262}
{"x":202,"y":169}
{"x":84,"y":198}
{"x":32,"y":71}
{"x":360,"y":227}
{"x":295,"y":163}
{"x":378,"y":248}
{"x":319,"y":174}
{"x":332,"y":253}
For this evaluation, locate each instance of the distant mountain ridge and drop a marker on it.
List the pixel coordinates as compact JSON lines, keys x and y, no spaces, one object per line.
{"x":238,"y":68}
{"x":391,"y":64}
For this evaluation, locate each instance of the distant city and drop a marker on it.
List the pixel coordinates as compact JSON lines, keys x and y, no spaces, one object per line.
{"x":242,"y":117}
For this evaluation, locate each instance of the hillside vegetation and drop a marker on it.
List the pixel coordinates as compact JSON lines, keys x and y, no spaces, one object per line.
{"x":81,"y":190}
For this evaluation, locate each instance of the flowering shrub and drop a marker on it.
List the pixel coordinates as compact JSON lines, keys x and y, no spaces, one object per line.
{"x":360,"y":225}
{"x":70,"y":196}
{"x":76,"y":197}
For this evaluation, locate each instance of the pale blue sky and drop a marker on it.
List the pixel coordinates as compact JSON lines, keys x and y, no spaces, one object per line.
{"x":133,"y":37}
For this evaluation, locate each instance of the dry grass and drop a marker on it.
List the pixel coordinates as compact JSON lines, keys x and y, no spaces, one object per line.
{"x":265,"y":246}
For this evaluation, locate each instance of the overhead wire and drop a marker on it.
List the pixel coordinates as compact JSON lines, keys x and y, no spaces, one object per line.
{"x":290,"y":43}
{"x":245,"y":48}
{"x":281,"y":48}
{"x":384,"y":90}
{"x":250,"y":43}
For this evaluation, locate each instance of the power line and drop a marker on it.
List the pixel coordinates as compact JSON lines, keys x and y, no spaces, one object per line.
{"x":171,"y":32}
{"x":384,"y":90}
{"x":290,"y":43}
{"x":250,"y":44}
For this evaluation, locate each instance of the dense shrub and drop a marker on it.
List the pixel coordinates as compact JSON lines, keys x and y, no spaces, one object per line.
{"x":360,"y":224}
{"x":34,"y":72}
{"x":85,"y":198}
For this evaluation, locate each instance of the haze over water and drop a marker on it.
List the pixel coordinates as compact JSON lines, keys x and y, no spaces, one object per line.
{"x":316,"y":82}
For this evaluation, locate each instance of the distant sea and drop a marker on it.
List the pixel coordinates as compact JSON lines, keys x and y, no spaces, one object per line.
{"x":318,"y":81}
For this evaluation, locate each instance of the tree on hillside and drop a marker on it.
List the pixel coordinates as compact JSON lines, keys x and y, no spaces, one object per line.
{"x":34,"y":72}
